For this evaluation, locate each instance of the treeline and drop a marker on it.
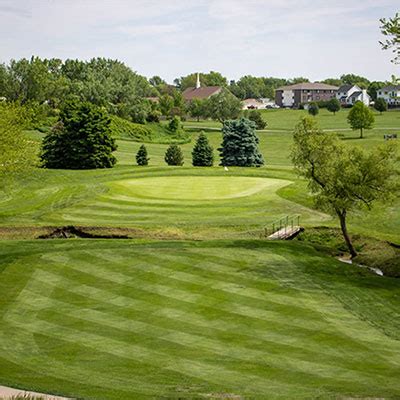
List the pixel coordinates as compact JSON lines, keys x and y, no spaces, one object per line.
{"x":120,"y":91}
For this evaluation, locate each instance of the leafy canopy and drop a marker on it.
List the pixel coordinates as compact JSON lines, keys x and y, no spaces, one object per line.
{"x":343,"y":178}
{"x":360,"y":117}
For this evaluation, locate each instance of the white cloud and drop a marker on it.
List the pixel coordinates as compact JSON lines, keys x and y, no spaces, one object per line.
{"x":171,"y":38}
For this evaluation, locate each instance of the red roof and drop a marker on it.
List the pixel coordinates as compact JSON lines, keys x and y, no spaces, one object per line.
{"x":200,"y":93}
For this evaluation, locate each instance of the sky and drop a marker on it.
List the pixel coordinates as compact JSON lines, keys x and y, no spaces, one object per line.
{"x":172,"y":38}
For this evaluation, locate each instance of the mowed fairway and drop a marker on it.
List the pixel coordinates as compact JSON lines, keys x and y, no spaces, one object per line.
{"x":99,"y":319}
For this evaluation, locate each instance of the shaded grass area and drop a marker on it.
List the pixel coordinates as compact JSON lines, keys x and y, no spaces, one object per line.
{"x":372,"y":252}
{"x":142,"y":319}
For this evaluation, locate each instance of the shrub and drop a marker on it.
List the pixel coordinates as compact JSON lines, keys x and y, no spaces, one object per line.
{"x":313,"y":109}
{"x":240,"y":144}
{"x":175,"y":124}
{"x":333,"y":105}
{"x":174,"y":155}
{"x":141,"y":156}
{"x":256,"y":117}
{"x":81,"y":140}
{"x":202,"y":154}
{"x":380,"y":105}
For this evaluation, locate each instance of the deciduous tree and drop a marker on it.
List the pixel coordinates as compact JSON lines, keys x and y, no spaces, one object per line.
{"x":333,"y":105}
{"x":380,"y":105}
{"x":343,"y":178}
{"x":360,"y":117}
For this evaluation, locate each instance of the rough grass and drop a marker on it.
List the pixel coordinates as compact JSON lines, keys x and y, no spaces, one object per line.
{"x":148,"y":133}
{"x":144,"y":320}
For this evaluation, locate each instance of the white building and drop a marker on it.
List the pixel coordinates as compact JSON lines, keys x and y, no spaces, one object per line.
{"x":391,"y":94}
{"x":349,"y":94}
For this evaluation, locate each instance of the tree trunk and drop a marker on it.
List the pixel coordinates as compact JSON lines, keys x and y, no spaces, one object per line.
{"x":342,"y":218}
{"x":361,"y":133}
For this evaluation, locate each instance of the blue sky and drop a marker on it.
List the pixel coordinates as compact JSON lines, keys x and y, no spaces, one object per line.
{"x":170,"y":38}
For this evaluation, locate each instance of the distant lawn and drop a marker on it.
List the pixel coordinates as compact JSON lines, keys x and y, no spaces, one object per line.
{"x":286,"y":119}
{"x":116,"y":320}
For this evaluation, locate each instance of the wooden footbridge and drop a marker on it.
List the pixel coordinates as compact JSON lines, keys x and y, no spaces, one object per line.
{"x":283,"y":229}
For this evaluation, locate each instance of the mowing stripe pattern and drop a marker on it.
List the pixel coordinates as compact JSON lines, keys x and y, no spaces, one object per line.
{"x":141,"y":321}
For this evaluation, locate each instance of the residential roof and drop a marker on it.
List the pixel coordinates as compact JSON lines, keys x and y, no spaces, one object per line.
{"x":309,"y":86}
{"x":390,"y":88}
{"x":345,"y":88}
{"x":201,"y":92}
{"x":355,"y":94}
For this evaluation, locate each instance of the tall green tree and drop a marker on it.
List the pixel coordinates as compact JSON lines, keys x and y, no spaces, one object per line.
{"x":240,"y":144}
{"x":81,"y":140}
{"x":380,"y":105}
{"x":174,"y":155}
{"x":212,"y":78}
{"x":197,"y":109}
{"x":343,"y":179}
{"x":360,"y":117}
{"x":202,"y":154}
{"x":166,"y":104}
{"x":223,"y":106}
{"x":352,"y":79}
{"x":333,"y":105}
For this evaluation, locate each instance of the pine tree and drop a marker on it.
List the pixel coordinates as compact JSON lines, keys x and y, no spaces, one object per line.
{"x":174,"y":155}
{"x":240,"y":144}
{"x":313,"y":109}
{"x":202,"y":154}
{"x":141,"y":156}
{"x":81,"y":140}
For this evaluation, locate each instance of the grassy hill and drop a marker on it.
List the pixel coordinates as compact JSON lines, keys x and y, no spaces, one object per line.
{"x":148,"y":133}
{"x":223,"y":319}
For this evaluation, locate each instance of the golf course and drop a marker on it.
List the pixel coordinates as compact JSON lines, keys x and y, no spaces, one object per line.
{"x":192,"y":302}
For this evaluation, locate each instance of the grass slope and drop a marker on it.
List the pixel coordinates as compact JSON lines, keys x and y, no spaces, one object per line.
{"x":148,"y":133}
{"x":123,"y":319}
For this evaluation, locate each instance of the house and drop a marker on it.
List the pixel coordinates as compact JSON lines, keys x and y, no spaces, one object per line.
{"x":349,"y":94}
{"x":200,"y":92}
{"x":303,"y":93}
{"x":391,"y":94}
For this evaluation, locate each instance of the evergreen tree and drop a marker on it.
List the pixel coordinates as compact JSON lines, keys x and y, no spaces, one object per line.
{"x":380,"y":105}
{"x":202,"y":154}
{"x":174,"y":155}
{"x":141,"y":156}
{"x":81,"y":140}
{"x":313,"y":109}
{"x":240,"y":144}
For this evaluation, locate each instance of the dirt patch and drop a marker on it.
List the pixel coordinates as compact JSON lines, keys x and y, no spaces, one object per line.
{"x":68,"y":232}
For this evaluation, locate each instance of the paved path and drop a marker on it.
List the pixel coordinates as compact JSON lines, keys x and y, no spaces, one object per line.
{"x":6,"y":392}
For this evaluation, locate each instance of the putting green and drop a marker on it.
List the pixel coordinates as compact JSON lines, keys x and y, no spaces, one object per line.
{"x":196,"y":187}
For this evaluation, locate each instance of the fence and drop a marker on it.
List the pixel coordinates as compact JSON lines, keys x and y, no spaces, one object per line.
{"x":282,"y":227}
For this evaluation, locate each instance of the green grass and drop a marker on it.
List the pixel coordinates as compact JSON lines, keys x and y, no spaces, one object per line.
{"x":148,"y":133}
{"x":234,"y":318}
{"x":286,"y":119}
{"x":142,"y":320}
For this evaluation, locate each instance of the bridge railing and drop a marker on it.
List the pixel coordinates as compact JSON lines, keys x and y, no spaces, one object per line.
{"x":282,"y":226}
